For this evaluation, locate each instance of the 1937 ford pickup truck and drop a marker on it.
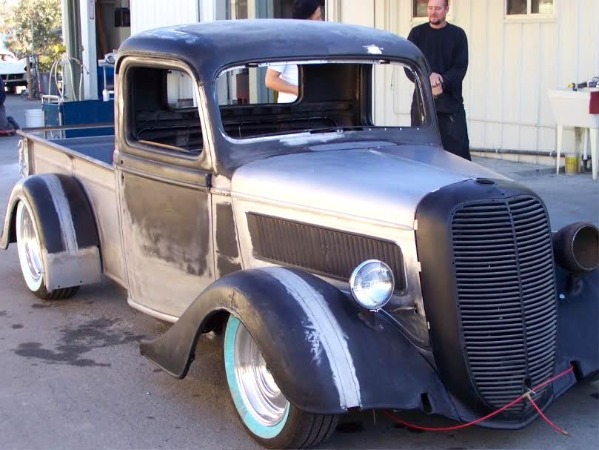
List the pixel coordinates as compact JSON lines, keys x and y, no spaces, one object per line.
{"x":348,"y":262}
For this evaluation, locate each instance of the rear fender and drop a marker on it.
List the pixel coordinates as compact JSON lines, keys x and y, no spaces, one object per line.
{"x":324,"y":358}
{"x":66,"y":227}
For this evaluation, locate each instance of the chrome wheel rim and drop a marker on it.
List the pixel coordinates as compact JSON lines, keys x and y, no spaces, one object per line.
{"x":29,"y":248}
{"x":261,"y":395}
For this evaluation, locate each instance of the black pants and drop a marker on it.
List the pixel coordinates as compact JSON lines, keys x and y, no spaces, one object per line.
{"x":454,"y":133}
{"x":4,"y":123}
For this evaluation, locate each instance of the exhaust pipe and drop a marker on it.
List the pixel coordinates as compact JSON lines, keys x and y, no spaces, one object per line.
{"x":576,"y":247}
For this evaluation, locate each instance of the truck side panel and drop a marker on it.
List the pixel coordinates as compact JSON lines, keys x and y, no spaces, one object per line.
{"x":98,"y":180}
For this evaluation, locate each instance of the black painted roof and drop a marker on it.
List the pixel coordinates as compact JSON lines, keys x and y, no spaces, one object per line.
{"x":207,"y":47}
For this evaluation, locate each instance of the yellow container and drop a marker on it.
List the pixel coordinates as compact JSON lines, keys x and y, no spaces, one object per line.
{"x":572,"y":165}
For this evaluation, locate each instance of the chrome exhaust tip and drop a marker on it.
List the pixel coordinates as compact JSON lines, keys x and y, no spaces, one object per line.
{"x":576,"y":247}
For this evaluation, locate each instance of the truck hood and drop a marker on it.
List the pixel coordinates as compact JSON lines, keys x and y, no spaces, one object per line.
{"x":383,"y":183}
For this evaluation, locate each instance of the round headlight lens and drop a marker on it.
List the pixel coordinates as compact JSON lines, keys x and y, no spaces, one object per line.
{"x":372,"y":284}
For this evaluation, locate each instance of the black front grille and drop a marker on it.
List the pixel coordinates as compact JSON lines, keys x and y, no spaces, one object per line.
{"x":13,"y":77}
{"x":320,"y":250}
{"x":506,"y":296}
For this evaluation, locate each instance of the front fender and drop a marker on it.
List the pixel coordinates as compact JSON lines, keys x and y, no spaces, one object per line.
{"x":322,"y":355}
{"x":578,"y":320}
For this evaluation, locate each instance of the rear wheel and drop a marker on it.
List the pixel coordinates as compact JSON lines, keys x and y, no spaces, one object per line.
{"x":264,"y":411}
{"x":30,"y":256}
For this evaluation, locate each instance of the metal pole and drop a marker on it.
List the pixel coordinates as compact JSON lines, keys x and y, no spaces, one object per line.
{"x":71,"y":32}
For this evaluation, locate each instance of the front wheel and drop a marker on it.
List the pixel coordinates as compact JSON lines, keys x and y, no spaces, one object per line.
{"x":30,"y":256}
{"x":263,"y":409}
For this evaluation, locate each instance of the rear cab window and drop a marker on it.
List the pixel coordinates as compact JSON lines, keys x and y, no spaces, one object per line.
{"x":334,"y":96}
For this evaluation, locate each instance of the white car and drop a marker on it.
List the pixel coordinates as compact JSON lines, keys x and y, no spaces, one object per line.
{"x":12,"y":70}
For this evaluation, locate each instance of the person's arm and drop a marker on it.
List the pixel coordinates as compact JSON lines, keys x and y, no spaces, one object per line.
{"x":274,"y":81}
{"x":459,"y":63}
{"x":412,"y":38}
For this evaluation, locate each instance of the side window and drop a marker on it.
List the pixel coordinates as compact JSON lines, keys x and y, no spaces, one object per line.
{"x":163,"y":110}
{"x":420,"y":11}
{"x":419,"y":8}
{"x":527,"y":7}
{"x":397,"y":90}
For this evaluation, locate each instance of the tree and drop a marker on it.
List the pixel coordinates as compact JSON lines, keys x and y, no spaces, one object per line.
{"x":34,"y":27}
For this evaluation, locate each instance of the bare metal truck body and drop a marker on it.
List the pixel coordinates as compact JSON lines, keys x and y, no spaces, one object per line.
{"x":349,"y":263}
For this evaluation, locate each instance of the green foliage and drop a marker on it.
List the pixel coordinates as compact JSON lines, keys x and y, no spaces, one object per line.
{"x":52,"y":54}
{"x":33,"y":28}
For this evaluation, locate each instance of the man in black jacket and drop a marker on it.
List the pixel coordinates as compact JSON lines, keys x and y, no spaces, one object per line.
{"x":7,"y":124}
{"x":445,"y":47}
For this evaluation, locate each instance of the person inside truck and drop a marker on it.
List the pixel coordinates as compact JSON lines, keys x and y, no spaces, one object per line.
{"x":283,"y":78}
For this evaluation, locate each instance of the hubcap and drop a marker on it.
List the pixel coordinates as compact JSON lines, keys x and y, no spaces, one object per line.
{"x":262,"y":396}
{"x":28,"y":246}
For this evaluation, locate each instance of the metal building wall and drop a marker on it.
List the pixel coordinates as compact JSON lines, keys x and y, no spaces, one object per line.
{"x":514,"y":61}
{"x":148,"y":14}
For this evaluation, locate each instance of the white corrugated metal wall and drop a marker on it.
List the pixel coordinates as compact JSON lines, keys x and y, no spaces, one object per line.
{"x":148,"y":14}
{"x":513,"y":60}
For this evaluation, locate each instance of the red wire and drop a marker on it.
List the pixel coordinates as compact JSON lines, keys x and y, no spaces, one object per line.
{"x":488,"y":416}
{"x":544,"y":417}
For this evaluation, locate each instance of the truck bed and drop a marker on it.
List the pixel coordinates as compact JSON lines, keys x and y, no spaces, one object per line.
{"x":96,"y":147}
{"x":89,"y":160}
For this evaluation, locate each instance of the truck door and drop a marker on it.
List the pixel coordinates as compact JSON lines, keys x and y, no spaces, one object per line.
{"x":164,"y":188}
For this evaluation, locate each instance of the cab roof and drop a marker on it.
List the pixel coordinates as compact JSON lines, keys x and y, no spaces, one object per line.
{"x":208,"y":47}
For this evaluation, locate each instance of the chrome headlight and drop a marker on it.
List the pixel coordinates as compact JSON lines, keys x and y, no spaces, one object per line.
{"x":372,"y":284}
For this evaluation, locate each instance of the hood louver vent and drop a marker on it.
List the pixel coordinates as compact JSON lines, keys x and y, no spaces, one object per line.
{"x":322,"y":251}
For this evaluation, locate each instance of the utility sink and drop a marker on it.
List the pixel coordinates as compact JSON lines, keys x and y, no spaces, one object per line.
{"x":571,"y":108}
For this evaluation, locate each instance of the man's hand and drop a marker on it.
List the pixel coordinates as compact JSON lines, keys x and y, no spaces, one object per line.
{"x":436,"y":84}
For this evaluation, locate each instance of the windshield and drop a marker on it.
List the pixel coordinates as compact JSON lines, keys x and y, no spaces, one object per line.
{"x":278,"y":98}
